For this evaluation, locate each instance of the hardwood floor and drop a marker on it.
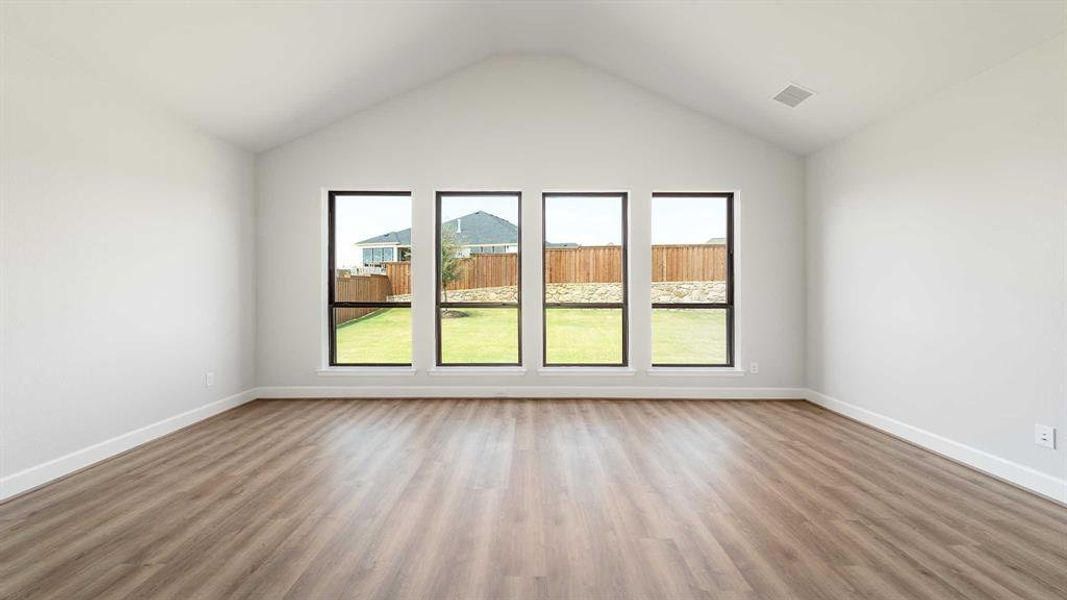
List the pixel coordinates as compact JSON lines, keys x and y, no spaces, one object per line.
{"x":531,"y":499}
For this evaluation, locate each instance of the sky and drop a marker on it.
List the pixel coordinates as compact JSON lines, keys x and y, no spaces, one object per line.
{"x":680,"y":220}
{"x":583,"y":220}
{"x":360,"y":217}
{"x":505,"y":207}
{"x":598,"y":220}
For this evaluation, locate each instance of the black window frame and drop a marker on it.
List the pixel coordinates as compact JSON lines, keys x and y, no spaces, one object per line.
{"x":439,"y":304}
{"x":728,"y":306}
{"x":331,"y":300}
{"x":624,"y":304}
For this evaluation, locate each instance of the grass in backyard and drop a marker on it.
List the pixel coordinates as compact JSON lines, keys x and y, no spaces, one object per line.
{"x":384,"y":336}
{"x":589,"y":336}
{"x":575,"y":336}
{"x":485,"y":335}
{"x":695,"y":336}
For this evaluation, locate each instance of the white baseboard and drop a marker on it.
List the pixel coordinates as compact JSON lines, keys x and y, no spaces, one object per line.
{"x":1002,"y":468}
{"x":532,"y":391}
{"x":38,"y":475}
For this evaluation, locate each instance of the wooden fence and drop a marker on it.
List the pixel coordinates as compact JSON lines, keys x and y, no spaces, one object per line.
{"x":487,"y":270}
{"x":691,"y":262}
{"x":603,"y":264}
{"x":399,"y":274}
{"x":585,"y":264}
{"x":360,"y":288}
{"x":478,"y":271}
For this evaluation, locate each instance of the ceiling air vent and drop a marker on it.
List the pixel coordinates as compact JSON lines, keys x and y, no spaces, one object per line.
{"x":793,"y":95}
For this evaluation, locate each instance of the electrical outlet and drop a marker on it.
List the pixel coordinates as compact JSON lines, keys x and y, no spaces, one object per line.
{"x":753,"y":367}
{"x":1045,"y":435}
{"x":209,"y":379}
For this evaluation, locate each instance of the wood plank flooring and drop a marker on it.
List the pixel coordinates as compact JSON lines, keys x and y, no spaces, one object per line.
{"x":531,"y":499}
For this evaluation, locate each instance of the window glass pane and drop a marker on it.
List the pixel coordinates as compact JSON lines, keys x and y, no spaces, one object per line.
{"x":373,"y":335}
{"x":689,"y":250}
{"x":479,"y":335}
{"x":367,"y":228}
{"x":583,"y":249}
{"x":468,"y":269}
{"x":689,"y":336}
{"x":583,"y":336}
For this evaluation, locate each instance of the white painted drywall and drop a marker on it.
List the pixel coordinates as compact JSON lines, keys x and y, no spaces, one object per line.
{"x":127,"y":264}
{"x":529,"y":123}
{"x":935,"y":251}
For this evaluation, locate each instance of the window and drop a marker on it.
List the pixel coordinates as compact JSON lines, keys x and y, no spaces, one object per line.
{"x":479,"y":301}
{"x":585,"y":294}
{"x":376,"y":256}
{"x":692,"y":279}
{"x":369,"y":296}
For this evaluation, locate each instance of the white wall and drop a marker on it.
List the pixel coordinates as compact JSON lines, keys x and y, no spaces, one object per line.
{"x":529,"y":124}
{"x":127,"y":265}
{"x":935,"y":250}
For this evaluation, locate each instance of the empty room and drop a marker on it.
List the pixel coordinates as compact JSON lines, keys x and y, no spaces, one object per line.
{"x":533,"y":299}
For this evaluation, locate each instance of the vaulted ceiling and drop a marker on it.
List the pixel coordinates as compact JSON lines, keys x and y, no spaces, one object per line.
{"x":261,"y":73}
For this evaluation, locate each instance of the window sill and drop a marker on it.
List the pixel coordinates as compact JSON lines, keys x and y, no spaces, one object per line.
{"x":696,"y":371}
{"x":587,"y":371}
{"x":365,"y":371}
{"x":479,"y":370}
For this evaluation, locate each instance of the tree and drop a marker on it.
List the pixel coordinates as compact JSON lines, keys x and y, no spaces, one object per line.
{"x":450,"y":265}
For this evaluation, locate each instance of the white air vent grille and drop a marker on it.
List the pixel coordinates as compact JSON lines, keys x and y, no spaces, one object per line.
{"x":793,"y":95}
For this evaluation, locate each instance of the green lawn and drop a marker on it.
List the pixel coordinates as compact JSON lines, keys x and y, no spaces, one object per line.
{"x":485,"y":335}
{"x":693,"y":336}
{"x":583,"y":336}
{"x":380,"y":337}
{"x":490,"y":335}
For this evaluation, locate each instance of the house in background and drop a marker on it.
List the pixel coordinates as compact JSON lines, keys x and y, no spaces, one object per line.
{"x":478,"y":233}
{"x":388,"y":247}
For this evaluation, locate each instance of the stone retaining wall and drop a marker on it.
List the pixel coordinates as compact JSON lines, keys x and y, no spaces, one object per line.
{"x":489,"y":294}
{"x":662,"y":291}
{"x":583,"y":292}
{"x":689,"y":291}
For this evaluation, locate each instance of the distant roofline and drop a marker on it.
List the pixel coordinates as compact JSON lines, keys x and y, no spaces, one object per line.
{"x":377,"y":241}
{"x":399,"y":245}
